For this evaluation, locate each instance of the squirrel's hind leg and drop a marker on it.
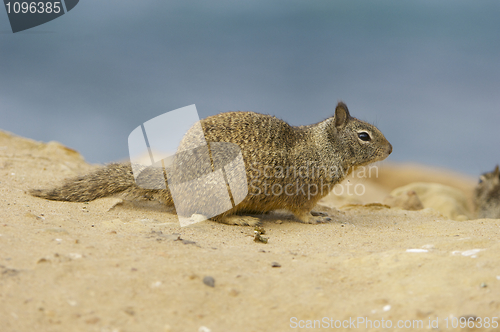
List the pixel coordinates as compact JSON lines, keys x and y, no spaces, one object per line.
{"x":242,"y":220}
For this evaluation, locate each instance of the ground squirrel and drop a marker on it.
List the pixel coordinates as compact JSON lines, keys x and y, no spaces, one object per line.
{"x":306,"y":160}
{"x":487,"y":195}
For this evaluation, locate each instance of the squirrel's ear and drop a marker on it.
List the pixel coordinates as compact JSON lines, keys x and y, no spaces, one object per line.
{"x":341,"y":114}
{"x":497,"y":172}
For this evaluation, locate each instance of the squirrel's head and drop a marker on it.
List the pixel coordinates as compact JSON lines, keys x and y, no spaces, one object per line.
{"x":362,"y":142}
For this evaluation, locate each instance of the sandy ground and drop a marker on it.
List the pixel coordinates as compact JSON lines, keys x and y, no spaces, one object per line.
{"x":113,"y":266}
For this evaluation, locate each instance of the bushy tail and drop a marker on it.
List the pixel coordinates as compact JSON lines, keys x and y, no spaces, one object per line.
{"x":112,"y":179}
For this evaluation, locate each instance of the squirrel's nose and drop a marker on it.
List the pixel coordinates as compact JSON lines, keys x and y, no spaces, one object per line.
{"x":390,"y":148}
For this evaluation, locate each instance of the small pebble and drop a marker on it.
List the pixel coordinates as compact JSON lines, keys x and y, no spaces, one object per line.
{"x":471,"y":252}
{"x":72,"y":303}
{"x":156,"y":284}
{"x":259,"y":238}
{"x":417,"y":250}
{"x":483,"y":285}
{"x":129,"y":311}
{"x":209,"y":281}
{"x":275,"y":264}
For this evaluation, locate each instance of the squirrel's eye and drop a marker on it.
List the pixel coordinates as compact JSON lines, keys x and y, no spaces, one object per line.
{"x":364,"y":136}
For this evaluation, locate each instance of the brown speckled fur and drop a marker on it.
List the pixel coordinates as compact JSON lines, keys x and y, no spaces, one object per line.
{"x":265,"y":141}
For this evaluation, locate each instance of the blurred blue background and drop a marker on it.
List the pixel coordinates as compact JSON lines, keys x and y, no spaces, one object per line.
{"x":427,"y":73}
